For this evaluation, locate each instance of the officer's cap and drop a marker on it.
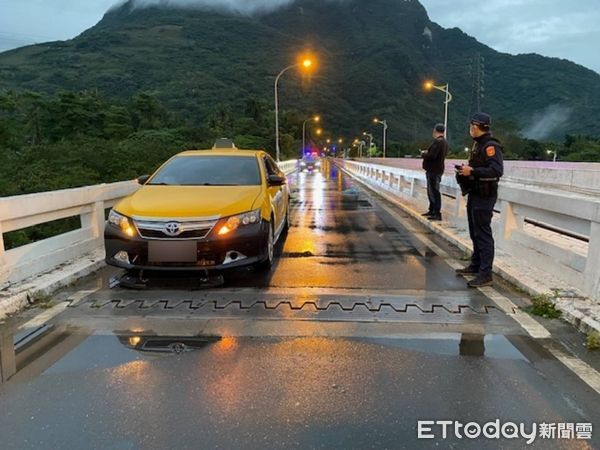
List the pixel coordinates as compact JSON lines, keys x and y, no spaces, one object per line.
{"x":439,"y":127}
{"x":481,"y":119}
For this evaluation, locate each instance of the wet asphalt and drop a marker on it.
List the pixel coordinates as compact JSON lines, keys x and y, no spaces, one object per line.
{"x":359,"y":332}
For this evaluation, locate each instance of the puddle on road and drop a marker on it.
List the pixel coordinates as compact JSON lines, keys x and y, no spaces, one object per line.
{"x":49,"y":350}
{"x":490,"y":346}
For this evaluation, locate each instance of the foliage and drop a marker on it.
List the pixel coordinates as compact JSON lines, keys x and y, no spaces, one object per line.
{"x":593,"y":341}
{"x":209,"y":68}
{"x":542,"y":305}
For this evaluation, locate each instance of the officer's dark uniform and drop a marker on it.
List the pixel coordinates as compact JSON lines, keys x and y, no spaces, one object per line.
{"x":433,"y":164}
{"x":488,"y":166}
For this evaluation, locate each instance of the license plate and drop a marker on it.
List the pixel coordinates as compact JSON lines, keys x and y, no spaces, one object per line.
{"x":172,"y":251}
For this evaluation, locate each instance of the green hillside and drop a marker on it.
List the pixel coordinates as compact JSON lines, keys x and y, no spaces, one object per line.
{"x":374,"y":56}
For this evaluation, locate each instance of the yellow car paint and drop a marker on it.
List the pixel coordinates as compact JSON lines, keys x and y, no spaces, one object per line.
{"x":187,"y":202}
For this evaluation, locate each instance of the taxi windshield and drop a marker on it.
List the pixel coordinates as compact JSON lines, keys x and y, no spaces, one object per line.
{"x":208,"y":171}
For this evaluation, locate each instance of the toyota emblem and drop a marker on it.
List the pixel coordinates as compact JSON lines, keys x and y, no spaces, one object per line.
{"x":172,"y":228}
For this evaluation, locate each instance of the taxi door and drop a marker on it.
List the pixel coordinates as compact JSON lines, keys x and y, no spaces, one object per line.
{"x":276,"y":193}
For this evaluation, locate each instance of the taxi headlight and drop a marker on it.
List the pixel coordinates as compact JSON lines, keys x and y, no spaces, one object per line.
{"x":234,"y":222}
{"x":123,"y":223}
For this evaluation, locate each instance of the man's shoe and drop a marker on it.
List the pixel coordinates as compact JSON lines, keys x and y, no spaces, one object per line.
{"x":469,"y":270}
{"x":481,"y":281}
{"x":427,"y":214}
{"x":435,"y":217}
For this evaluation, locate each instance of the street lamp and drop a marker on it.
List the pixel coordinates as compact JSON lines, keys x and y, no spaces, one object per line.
{"x":370,"y":136}
{"x":306,"y":64}
{"x":385,"y":127}
{"x":550,"y":152}
{"x":315,"y":119}
{"x":444,"y":88}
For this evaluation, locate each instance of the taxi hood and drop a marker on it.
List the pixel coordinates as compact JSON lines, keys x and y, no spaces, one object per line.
{"x":189,"y":201}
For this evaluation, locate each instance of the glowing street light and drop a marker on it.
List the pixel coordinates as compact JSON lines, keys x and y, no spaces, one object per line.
{"x":306,"y":64}
{"x":444,"y":88}
{"x":552,"y":152}
{"x":385,"y":127}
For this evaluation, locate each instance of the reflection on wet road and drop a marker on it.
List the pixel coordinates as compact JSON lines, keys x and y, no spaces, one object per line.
{"x":104,"y":392}
{"x":358,"y":332}
{"x":341,"y":238}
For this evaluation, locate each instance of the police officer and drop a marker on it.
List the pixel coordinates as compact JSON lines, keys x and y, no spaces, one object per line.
{"x":433,"y":164}
{"x":483,"y":171}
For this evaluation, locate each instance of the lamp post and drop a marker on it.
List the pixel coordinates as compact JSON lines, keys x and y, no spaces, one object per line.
{"x":444,"y":88}
{"x":385,"y":127}
{"x":307,"y":64}
{"x":552,"y":152}
{"x":316,"y":119}
{"x":370,"y":136}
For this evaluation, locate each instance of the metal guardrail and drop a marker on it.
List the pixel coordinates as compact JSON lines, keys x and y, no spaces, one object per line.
{"x":555,"y":230}
{"x":89,"y":203}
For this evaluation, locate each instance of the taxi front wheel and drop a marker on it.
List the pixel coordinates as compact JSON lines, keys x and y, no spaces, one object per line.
{"x":268,"y":250}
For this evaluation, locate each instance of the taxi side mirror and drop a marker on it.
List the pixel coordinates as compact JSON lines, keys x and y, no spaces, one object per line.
{"x":276,"y":180}
{"x":143,"y":179}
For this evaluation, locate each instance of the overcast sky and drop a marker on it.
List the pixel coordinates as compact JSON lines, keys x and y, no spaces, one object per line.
{"x":558,"y":28}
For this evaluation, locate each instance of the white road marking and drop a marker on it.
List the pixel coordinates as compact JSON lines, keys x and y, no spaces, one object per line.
{"x":535,"y":329}
{"x":44,"y":317}
{"x":584,"y":371}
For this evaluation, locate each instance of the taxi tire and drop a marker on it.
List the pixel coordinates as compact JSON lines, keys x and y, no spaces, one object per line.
{"x":266,"y":264}
{"x":287,"y":225}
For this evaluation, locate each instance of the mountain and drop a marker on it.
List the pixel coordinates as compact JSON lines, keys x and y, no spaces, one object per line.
{"x":374,"y":56}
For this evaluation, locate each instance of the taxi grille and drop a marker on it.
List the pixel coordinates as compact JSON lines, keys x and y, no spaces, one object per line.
{"x":184,"y":230}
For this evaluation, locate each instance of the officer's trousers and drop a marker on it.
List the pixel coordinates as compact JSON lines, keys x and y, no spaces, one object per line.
{"x":479,"y":212}
{"x":433,"y":192}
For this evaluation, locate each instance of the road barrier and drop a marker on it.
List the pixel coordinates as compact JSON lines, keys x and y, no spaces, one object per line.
{"x":89,"y":203}
{"x":555,"y":230}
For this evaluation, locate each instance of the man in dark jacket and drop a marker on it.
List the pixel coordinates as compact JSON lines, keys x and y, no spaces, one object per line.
{"x":433,"y":163}
{"x":483,"y":173}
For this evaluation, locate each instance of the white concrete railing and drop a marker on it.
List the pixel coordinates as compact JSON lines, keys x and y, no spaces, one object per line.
{"x":583,"y":178}
{"x":89,"y":203}
{"x":554,"y":230}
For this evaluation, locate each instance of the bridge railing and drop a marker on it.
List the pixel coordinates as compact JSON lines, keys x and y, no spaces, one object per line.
{"x":88,"y":203}
{"x":24,"y":211}
{"x":555,"y":230}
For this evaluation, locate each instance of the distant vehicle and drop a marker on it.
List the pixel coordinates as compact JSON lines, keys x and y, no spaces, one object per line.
{"x":207,"y":210}
{"x":310,"y":162}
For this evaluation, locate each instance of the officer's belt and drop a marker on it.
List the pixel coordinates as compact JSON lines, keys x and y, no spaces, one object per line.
{"x":488,"y":179}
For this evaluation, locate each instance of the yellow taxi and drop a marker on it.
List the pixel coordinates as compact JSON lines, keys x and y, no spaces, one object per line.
{"x":204,"y":209}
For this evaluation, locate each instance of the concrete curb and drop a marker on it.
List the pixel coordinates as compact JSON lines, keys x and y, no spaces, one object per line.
{"x":577,"y":311}
{"x":15,"y":298}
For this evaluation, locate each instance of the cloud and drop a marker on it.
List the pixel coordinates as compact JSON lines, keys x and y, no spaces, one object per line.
{"x":549,"y":27}
{"x":240,"y":6}
{"x":545,"y":122}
